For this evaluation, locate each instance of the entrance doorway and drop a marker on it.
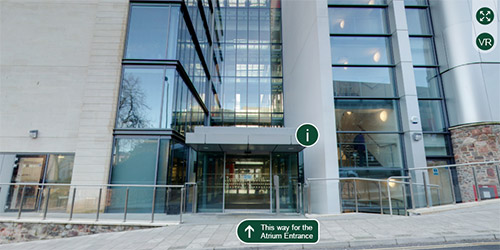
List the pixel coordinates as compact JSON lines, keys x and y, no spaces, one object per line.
{"x":235,"y":181}
{"x":247,"y":182}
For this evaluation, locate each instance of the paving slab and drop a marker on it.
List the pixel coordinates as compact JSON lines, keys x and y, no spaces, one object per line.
{"x":478,"y":222}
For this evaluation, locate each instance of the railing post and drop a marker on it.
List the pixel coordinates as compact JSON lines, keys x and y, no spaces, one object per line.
{"x":498,"y":176}
{"x":98,"y":204}
{"x":389,"y":196}
{"x":355,"y":195}
{"x":340,"y":197}
{"x":181,"y":206}
{"x":153,"y":206}
{"x":195,"y":198}
{"x":439,"y":195}
{"x":411,"y":193}
{"x":22,"y":201}
{"x":380,"y":198}
{"x":476,"y":185}
{"x":72,"y":204}
{"x":452,"y":186}
{"x":46,"y":204}
{"x":309,"y":210}
{"x":425,"y":190}
{"x":168,"y":199}
{"x":126,"y":206}
{"x":297,"y":198}
{"x":404,"y":199}
{"x":277,"y":187}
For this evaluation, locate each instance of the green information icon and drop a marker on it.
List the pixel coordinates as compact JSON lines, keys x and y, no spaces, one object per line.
{"x":485,"y":41}
{"x":485,"y":16}
{"x":307,"y":135}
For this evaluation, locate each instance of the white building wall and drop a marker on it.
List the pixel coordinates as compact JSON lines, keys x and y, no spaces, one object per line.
{"x":60,"y":66}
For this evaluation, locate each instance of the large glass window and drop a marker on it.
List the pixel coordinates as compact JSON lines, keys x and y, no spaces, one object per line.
{"x":360,"y":2}
{"x":431,"y":114}
{"x":363,"y":81}
{"x":147,"y":161}
{"x":417,"y":22}
{"x":364,"y":89}
{"x":366,"y":115}
{"x":427,"y":81}
{"x":357,"y":20}
{"x":436,"y":144}
{"x":40,"y":168}
{"x":152,"y":29}
{"x":360,"y":50}
{"x":252,"y":77}
{"x":363,"y":150}
{"x":141,"y":97}
{"x":422,"y":51}
{"x":157,"y":97}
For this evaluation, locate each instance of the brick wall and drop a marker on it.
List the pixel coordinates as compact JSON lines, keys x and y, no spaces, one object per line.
{"x":477,"y":143}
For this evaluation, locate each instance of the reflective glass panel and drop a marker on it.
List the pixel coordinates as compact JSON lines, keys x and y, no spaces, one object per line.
{"x":427,"y":82}
{"x":415,"y":2}
{"x":422,"y":51}
{"x":210,"y":177}
{"x":360,"y":2}
{"x":363,"y":81}
{"x":418,"y":22}
{"x":366,"y":115}
{"x":358,"y":20}
{"x":140,"y":98}
{"x":431,"y":114}
{"x":360,"y":50}
{"x":435,"y":145}
{"x":148,"y":32}
{"x":134,"y":161}
{"x":60,"y":168}
{"x":366,"y":150}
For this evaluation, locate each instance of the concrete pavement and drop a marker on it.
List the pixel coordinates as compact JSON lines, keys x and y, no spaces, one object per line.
{"x":476,"y":222}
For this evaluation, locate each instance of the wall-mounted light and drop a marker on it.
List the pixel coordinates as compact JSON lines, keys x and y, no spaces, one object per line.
{"x":342,"y":24}
{"x":414,"y":120}
{"x":33,"y":134}
{"x":383,"y":115}
{"x":371,"y":2}
{"x":417,"y":136}
{"x":348,"y":112}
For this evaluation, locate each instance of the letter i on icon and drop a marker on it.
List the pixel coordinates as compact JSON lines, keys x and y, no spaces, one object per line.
{"x":307,"y":135}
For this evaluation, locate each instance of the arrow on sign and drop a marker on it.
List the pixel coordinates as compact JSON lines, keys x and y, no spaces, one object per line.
{"x":250,"y":230}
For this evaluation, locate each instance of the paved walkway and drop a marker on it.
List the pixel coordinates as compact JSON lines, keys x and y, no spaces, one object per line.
{"x":476,"y":222}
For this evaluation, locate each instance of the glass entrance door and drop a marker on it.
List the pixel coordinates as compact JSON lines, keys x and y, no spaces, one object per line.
{"x":247,"y":182}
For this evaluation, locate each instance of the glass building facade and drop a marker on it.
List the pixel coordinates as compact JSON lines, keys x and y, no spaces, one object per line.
{"x":197,"y":63}
{"x":366,"y":100}
{"x":219,"y":63}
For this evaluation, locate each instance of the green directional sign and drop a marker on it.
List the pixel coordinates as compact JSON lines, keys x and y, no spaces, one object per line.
{"x":307,"y":135}
{"x":276,"y":231}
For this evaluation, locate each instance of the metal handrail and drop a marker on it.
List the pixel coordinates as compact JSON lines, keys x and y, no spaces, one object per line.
{"x":387,"y":181}
{"x":88,"y":185}
{"x":100,"y":186}
{"x":455,"y":165}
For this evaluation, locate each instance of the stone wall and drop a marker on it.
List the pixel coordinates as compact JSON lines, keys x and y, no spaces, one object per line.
{"x":11,"y":232}
{"x":477,"y":143}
